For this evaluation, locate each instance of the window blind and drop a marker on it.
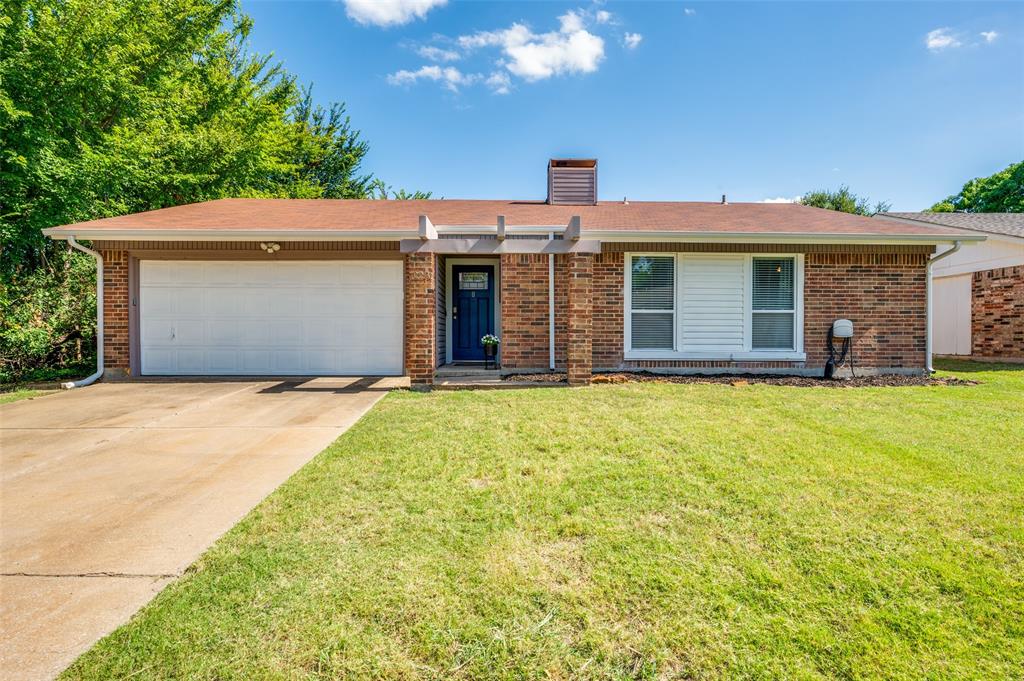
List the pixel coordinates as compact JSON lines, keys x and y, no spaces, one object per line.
{"x":652,"y":295}
{"x":773,"y":304}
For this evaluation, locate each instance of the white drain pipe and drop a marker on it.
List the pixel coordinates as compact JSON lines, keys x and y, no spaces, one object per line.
{"x":551,"y":306}
{"x":928,"y":295}
{"x":88,"y":380}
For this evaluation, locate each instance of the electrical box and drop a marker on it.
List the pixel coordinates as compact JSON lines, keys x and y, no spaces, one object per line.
{"x":842,"y":328}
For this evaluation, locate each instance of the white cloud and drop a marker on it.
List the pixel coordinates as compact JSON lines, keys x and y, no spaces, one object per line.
{"x":603,"y":16}
{"x":438,"y":54}
{"x":389,"y":12}
{"x":533,"y":56}
{"x":940,"y":39}
{"x":689,"y":11}
{"x":449,"y":76}
{"x":989,"y":36}
{"x":632,"y":40}
{"x":499,"y":82}
{"x":782,"y":199}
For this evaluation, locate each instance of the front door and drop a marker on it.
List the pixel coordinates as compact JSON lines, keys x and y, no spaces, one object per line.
{"x":472,"y":310}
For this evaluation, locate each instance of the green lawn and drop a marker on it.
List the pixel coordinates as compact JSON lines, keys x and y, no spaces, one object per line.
{"x":627,"y":531}
{"x":15,"y":394}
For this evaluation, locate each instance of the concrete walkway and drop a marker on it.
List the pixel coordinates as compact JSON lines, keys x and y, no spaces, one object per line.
{"x":108,"y":493}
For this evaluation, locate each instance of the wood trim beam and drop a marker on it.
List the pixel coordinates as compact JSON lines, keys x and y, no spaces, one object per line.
{"x":573,"y":229}
{"x":427,"y":229}
{"x":483,"y":247}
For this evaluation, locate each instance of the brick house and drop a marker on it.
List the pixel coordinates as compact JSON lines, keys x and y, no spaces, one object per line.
{"x":321,"y":287}
{"x":978,"y":291}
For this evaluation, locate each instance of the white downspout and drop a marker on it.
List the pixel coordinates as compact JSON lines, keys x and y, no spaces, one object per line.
{"x":99,"y":317}
{"x":928,"y":295}
{"x":551,"y":306}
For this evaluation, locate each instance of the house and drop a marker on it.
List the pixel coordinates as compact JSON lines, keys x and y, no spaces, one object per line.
{"x":317,"y":287}
{"x":978,"y":291}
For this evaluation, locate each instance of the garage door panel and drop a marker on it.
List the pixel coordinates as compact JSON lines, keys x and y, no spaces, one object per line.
{"x":324,"y":317}
{"x":285,"y":332}
{"x":189,"y":332}
{"x":223,"y":302}
{"x":322,"y":274}
{"x":191,"y":361}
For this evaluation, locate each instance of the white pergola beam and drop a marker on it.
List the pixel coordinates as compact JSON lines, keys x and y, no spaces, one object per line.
{"x":427,"y":229}
{"x":573,"y":229}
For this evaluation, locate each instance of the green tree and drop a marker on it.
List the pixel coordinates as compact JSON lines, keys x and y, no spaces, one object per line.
{"x":1002,"y":192}
{"x":110,"y":107}
{"x":843,"y":200}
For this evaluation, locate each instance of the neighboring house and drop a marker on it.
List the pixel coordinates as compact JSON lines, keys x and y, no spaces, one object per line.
{"x":316,"y":287}
{"x":979,"y":290}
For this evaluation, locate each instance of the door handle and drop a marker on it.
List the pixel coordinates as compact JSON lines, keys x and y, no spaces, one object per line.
{"x":455,"y":311}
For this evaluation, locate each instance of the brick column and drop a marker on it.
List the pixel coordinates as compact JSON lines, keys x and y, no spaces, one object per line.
{"x":580,"y":322}
{"x":420,"y":317}
{"x":115,"y":314}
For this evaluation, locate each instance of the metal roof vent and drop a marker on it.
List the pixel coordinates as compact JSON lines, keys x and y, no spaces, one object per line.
{"x":572,"y":181}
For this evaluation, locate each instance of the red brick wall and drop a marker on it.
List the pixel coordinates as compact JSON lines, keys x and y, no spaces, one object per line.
{"x":997,"y":313}
{"x":609,"y":315}
{"x":579,"y":358}
{"x":524,"y":311}
{"x":420,"y":317}
{"x":116,"y":345}
{"x":882,"y":292}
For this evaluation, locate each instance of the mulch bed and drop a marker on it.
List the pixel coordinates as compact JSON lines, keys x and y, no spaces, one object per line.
{"x":748,"y":379}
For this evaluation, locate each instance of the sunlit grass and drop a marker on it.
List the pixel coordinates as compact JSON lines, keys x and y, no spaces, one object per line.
{"x":627,"y":531}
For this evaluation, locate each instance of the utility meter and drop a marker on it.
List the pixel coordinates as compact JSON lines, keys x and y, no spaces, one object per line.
{"x":842,"y":328}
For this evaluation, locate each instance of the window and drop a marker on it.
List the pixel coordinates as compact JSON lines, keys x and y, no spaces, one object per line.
{"x":713,"y":306}
{"x":773,"y":304}
{"x":652,"y":302}
{"x":473,"y":281}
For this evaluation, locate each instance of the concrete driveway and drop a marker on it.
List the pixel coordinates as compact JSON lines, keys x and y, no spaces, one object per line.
{"x":107,"y":494}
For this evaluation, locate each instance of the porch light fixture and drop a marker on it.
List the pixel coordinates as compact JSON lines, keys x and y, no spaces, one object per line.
{"x":270,"y":247}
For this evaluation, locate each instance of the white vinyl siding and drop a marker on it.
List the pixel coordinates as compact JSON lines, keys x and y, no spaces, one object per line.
{"x":712,"y":299}
{"x":270,"y":318}
{"x":723,"y":306}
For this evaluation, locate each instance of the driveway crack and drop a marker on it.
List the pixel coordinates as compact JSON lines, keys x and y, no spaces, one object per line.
{"x":126,"y":575}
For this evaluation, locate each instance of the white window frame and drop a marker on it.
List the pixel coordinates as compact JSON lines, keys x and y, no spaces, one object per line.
{"x":629,"y":300}
{"x":748,"y":354}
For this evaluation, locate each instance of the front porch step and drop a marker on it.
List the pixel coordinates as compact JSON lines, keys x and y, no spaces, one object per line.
{"x":487,"y":383}
{"x":460,"y":371}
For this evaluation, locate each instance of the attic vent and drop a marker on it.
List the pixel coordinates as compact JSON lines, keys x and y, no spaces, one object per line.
{"x":572,"y":181}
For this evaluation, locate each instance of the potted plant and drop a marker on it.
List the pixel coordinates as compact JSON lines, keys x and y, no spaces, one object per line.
{"x":490,"y":343}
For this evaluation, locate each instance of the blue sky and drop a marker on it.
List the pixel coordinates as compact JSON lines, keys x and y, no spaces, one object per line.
{"x":677,"y":100}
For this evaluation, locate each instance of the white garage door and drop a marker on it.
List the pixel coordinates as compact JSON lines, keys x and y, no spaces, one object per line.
{"x":282,"y":318}
{"x":951,"y":323}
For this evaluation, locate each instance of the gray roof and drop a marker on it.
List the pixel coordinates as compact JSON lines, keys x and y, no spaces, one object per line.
{"x":1009,"y":224}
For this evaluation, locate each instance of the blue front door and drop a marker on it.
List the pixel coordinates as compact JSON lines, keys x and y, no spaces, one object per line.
{"x":472,"y":310}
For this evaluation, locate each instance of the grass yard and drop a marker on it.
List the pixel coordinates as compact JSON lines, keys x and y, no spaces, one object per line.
{"x":624,"y":531}
{"x":15,"y":394}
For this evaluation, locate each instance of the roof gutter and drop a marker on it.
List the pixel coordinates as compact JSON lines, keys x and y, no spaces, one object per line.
{"x":89,"y":380}
{"x":231,"y":234}
{"x":928,"y":297}
{"x":777,"y":237}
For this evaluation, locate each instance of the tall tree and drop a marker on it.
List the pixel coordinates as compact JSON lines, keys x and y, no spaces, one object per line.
{"x":1002,"y":192}
{"x":117,"y":106}
{"x":843,"y":200}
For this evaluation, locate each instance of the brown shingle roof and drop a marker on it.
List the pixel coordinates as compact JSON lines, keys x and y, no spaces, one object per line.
{"x":368,"y":216}
{"x":1010,"y":224}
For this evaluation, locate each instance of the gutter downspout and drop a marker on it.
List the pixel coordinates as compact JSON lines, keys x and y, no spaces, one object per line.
{"x":88,"y":380}
{"x":551,"y":306}
{"x":928,"y":295}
